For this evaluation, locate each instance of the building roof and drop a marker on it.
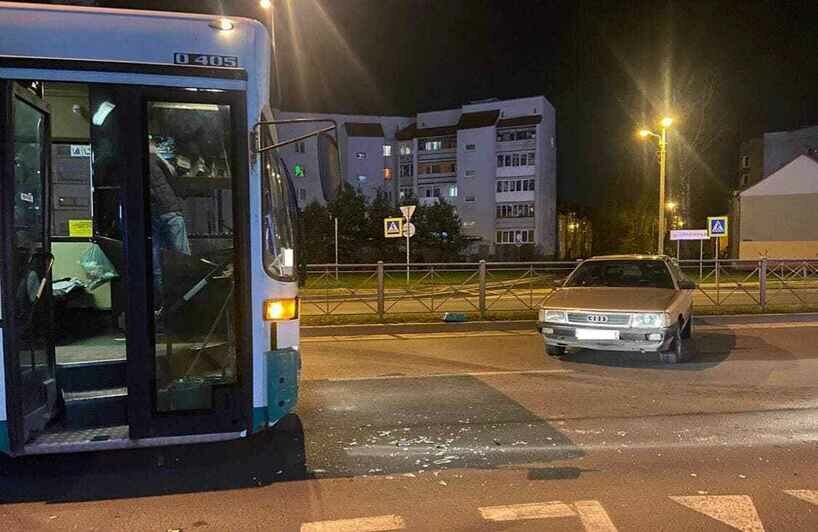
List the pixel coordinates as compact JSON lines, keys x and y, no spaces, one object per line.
{"x":799,"y":176}
{"x":362,"y":129}
{"x":517,"y":121}
{"x":478,"y":119}
{"x":407,"y":133}
{"x":439,"y":131}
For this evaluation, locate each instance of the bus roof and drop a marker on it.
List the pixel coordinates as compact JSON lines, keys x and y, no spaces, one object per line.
{"x":124,"y":35}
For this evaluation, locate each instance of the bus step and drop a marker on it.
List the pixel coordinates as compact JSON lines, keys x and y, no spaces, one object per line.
{"x":93,"y":375}
{"x":96,"y":408}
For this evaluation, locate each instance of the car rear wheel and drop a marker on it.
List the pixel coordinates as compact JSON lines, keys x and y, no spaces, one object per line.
{"x":554,"y":350}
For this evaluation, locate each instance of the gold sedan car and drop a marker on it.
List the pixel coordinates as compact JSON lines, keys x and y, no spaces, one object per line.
{"x":637,"y":303}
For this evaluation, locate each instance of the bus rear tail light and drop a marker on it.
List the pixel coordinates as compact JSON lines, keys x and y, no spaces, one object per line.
{"x":280,"y":309}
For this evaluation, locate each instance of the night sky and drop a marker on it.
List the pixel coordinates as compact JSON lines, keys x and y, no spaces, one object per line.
{"x":727,"y":71}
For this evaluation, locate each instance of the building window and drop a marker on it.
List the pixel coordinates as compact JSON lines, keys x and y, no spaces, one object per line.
{"x":511,"y":136}
{"x":471,"y":147}
{"x":405,"y":149}
{"x":515,"y":236}
{"x":515,"y":210}
{"x":387,"y":174}
{"x":745,"y":178}
{"x":406,"y":170}
{"x":516,"y":159}
{"x":302,"y":194}
{"x":362,"y":179}
{"x":300,"y":147}
{"x":452,"y":191}
{"x":360,"y":155}
{"x":437,"y":168}
{"x":470,"y":173}
{"x":437,"y":143}
{"x":745,"y":161}
{"x":405,"y":192}
{"x":515,"y":185}
{"x":470,"y":198}
{"x":298,"y":170}
{"x":387,"y":150}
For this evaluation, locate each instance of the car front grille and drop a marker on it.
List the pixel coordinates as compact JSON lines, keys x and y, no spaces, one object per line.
{"x":601,"y":318}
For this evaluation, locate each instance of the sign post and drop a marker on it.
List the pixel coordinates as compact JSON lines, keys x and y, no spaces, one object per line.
{"x":409,"y":232}
{"x":691,"y":234}
{"x":717,"y":229}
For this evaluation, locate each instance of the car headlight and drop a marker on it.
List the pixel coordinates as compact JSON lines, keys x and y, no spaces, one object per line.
{"x":553,"y":316}
{"x":656,"y":320}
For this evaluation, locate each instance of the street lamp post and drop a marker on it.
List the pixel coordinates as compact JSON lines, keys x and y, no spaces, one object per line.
{"x":644,"y":133}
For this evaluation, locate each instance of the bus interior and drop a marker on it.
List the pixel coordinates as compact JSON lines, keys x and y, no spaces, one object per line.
{"x":175,"y":230}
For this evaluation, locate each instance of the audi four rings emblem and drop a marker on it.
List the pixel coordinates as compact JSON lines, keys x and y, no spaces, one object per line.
{"x":597,"y":318}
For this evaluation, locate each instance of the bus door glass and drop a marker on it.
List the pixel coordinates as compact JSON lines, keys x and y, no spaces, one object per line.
{"x":29,"y":263}
{"x":190,"y":224}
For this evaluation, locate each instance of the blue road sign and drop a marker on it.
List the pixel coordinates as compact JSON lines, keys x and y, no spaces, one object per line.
{"x":717,"y":226}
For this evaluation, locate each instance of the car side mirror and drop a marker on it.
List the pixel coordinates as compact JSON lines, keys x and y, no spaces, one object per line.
{"x":329,"y":166}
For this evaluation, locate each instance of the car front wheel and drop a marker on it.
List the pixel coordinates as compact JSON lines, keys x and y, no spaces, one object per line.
{"x":680,"y":347}
{"x":554,"y":350}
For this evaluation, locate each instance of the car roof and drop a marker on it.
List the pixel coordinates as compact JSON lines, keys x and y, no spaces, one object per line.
{"x":629,"y":257}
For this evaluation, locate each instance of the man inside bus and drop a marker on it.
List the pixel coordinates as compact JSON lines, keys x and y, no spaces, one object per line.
{"x":167,"y":219}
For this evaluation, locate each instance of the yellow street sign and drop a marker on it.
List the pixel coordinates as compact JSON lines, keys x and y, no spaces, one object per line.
{"x":393,"y":227}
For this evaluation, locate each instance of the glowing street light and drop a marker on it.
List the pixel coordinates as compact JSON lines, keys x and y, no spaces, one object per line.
{"x":265,"y":4}
{"x":644,"y":133}
{"x":671,"y":205}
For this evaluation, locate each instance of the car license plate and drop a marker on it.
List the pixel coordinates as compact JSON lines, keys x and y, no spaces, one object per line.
{"x":597,"y":334}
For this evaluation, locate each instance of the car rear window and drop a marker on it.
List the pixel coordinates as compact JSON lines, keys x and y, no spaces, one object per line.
{"x":622,"y":273}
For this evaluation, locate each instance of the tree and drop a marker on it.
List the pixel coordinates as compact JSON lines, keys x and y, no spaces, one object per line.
{"x":380,"y":248}
{"x":439,"y":236}
{"x":349,"y":206}
{"x":318,"y":234}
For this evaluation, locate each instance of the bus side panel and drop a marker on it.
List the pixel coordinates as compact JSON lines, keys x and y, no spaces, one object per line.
{"x":5,"y":445}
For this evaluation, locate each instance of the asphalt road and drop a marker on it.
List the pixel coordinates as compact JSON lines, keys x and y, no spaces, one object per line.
{"x":463,"y":428}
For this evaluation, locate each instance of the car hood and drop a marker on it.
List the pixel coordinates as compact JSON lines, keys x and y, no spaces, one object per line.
{"x":612,"y":299}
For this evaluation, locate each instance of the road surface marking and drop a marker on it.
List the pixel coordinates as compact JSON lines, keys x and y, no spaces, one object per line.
{"x":361,"y":524}
{"x":536,"y":510}
{"x":417,"y":336}
{"x":804,"y":495}
{"x":466,"y":374}
{"x":737,"y":511}
{"x":750,"y":326}
{"x":594,"y":517}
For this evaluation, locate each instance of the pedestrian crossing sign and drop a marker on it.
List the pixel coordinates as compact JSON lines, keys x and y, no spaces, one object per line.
{"x":716,"y":226}
{"x":393,"y":227}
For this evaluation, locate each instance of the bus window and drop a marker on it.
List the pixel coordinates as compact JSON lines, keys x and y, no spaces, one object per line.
{"x":190,"y":221}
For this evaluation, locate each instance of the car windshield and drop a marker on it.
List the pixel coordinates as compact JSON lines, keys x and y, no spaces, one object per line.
{"x":622,"y":274}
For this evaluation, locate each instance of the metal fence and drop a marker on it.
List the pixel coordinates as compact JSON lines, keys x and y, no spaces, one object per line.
{"x":481,"y":289}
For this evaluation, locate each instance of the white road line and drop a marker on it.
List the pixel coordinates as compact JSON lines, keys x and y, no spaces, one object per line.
{"x":466,"y":374}
{"x":361,"y":524}
{"x":416,"y":336}
{"x":804,"y":495}
{"x":750,"y":326}
{"x":737,"y":511}
{"x":594,"y":517}
{"x":536,"y":510}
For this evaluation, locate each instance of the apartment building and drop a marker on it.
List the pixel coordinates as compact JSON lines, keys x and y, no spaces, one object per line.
{"x":494,"y":160}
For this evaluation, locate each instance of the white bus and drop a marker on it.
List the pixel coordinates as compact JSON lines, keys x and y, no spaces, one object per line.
{"x":147,"y":231}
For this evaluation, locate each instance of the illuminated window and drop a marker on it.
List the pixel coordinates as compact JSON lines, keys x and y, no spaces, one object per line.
{"x":405,"y":149}
{"x":298,"y":170}
{"x":387,"y":150}
{"x":387,"y":174}
{"x":452,"y":191}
